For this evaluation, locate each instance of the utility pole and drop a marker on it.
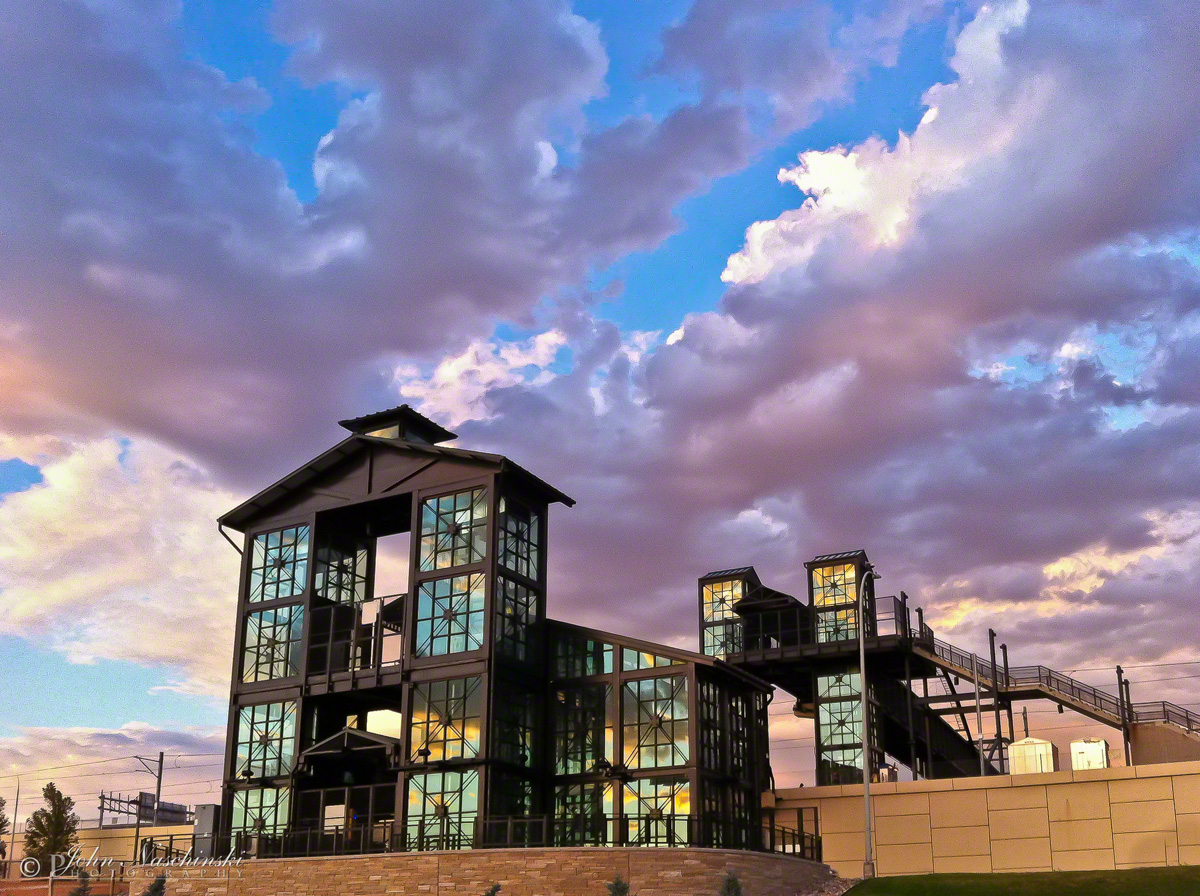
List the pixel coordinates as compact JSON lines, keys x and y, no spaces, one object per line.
{"x":100,"y":824}
{"x":158,"y":787}
{"x":12,"y":848}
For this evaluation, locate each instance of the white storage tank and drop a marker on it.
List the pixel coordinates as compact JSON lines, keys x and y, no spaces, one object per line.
{"x":1089,"y":752}
{"x":1032,"y":756}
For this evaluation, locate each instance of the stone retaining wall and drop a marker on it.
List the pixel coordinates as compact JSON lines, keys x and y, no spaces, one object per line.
{"x":520,"y":872}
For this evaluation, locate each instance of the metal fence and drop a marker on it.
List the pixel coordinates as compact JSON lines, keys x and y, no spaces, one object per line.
{"x":504,"y":832}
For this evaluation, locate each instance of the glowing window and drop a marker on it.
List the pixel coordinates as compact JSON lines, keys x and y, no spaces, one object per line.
{"x":446,"y":719}
{"x":834,"y":585}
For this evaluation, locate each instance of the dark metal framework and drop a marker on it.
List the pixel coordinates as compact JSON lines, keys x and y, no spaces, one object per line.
{"x":811,"y":650}
{"x":456,"y":714}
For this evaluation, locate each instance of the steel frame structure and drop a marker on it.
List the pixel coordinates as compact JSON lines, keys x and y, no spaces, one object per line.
{"x":439,"y":713}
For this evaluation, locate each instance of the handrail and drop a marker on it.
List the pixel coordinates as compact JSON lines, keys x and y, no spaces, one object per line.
{"x":1056,"y":683}
{"x":498,"y":832}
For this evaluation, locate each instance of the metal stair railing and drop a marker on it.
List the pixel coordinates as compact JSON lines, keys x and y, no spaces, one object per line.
{"x":1057,"y":685}
{"x":1161,"y":711}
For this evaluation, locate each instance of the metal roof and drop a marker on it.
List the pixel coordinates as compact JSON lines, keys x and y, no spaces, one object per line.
{"x":840,"y":555}
{"x":727,"y":573}
{"x":322,"y":463}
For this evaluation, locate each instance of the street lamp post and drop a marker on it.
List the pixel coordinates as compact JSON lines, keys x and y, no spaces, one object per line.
{"x":868,"y":574}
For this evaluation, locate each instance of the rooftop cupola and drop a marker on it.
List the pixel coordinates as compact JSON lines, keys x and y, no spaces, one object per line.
{"x":400,"y":422}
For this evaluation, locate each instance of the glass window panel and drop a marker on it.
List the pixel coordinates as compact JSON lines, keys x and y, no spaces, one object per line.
{"x":583,"y":728}
{"x":450,"y":615}
{"x":261,"y":810}
{"x":454,"y":529}
{"x":577,"y":657}
{"x":279,"y":564}
{"x":654,"y":715}
{"x":516,"y":611}
{"x":838,"y":685}
{"x":658,"y":809}
{"x":272,"y":643}
{"x":834,"y":585}
{"x":519,"y":544}
{"x":442,"y":809}
{"x":340,"y":574}
{"x":266,"y":739}
{"x":446,"y":719}
{"x":837,"y":625}
{"x":584,"y":813}
{"x":634,"y":660}
{"x":839,"y":767}
{"x":513,"y":725}
{"x":723,"y":639}
{"x":719,"y":598}
{"x":840,"y":723}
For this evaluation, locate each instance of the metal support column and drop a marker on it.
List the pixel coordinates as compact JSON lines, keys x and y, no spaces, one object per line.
{"x":978,"y":713}
{"x":908,"y":700}
{"x":996,"y":699}
{"x":1129,"y":717}
{"x":1008,"y":703}
{"x":1124,"y":714}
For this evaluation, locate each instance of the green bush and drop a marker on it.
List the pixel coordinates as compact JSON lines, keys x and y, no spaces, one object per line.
{"x":618,"y":887}
{"x":731,"y":886}
{"x":85,"y":885}
{"x":492,"y":890}
{"x":157,"y":887}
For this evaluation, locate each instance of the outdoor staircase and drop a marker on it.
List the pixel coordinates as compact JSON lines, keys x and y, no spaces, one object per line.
{"x":1040,"y":682}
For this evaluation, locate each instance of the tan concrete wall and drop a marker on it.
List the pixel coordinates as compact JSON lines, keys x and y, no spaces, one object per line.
{"x":520,"y":872}
{"x":116,"y":843}
{"x":1061,"y":821}
{"x":1159,"y":742}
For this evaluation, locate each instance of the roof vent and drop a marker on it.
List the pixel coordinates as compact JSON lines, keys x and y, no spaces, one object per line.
{"x":400,"y":422}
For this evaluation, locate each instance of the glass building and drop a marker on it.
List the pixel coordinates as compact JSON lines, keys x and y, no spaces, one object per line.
{"x":447,"y":711}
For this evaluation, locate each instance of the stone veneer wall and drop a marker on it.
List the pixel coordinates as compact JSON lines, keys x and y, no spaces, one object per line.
{"x":1146,"y":815}
{"x":520,"y":872}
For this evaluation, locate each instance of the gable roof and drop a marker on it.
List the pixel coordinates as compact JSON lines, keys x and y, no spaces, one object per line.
{"x":354,"y":739}
{"x":238,"y":517}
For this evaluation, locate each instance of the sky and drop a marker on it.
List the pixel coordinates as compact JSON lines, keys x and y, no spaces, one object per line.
{"x":752,"y":281}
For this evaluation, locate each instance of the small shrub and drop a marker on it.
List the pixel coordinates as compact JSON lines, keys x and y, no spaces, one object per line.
{"x":492,"y":890}
{"x":618,"y":887}
{"x":731,"y":885}
{"x":157,"y":887}
{"x":85,"y":885}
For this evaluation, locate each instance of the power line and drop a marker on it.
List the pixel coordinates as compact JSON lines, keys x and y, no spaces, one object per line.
{"x":50,"y":768}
